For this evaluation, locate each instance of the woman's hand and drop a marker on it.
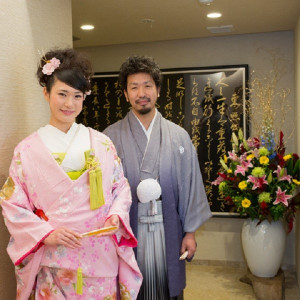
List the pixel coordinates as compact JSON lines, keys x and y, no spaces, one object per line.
{"x":63,"y":236}
{"x":112,"y":221}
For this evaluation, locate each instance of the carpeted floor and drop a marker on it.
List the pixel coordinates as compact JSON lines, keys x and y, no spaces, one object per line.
{"x":223,"y":283}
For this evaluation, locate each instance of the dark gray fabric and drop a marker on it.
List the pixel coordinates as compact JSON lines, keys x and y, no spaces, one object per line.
{"x":179,"y":297}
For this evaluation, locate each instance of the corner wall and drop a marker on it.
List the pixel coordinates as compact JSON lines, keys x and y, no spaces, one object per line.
{"x":297,"y":116}
{"x":219,"y":239}
{"x":25,"y":27}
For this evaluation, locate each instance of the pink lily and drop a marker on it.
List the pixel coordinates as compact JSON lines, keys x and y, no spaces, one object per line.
{"x":233,"y":156}
{"x":258,"y":182}
{"x":282,"y":197}
{"x":218,"y":180}
{"x":256,"y":153}
{"x":245,"y":165}
{"x":253,"y":142}
{"x":243,"y":157}
{"x":240,"y":169}
{"x":284,"y":176}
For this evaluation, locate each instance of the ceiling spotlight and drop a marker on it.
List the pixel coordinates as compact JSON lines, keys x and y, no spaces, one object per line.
{"x":206,"y":2}
{"x":214,"y":15}
{"x":220,"y":29}
{"x":148,"y":21}
{"x":87,"y":27}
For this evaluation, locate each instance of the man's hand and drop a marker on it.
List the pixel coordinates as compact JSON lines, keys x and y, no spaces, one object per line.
{"x":63,"y":236}
{"x":189,"y":244}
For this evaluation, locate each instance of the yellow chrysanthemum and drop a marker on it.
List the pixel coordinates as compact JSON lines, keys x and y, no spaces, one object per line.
{"x":287,"y":157}
{"x":250,"y":156}
{"x":264,"y":160}
{"x":246,"y":203}
{"x":225,"y":159}
{"x":229,"y":171}
{"x":242,"y":185}
{"x":296,"y":181}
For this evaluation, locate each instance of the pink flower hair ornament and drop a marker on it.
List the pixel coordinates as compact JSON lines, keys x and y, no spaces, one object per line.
{"x":50,"y":66}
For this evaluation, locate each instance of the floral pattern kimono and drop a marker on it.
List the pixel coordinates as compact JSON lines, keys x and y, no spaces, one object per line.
{"x":39,"y":197}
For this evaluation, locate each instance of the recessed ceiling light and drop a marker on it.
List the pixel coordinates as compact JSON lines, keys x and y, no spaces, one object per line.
{"x":214,"y":15}
{"x":148,"y":21}
{"x":206,"y":2}
{"x":87,"y":27}
{"x":220,"y":29}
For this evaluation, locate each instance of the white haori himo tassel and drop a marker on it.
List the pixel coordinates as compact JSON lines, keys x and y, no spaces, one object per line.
{"x":149,"y":190}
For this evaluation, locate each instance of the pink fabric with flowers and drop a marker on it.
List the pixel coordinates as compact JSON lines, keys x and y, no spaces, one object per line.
{"x":40,"y":183}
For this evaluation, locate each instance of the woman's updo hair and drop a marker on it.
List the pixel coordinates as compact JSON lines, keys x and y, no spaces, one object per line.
{"x":74,"y":70}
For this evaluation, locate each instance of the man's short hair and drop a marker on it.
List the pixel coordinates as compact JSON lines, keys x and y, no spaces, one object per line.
{"x":139,"y":64}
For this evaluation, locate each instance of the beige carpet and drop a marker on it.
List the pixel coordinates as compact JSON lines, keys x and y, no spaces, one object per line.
{"x":223,"y":282}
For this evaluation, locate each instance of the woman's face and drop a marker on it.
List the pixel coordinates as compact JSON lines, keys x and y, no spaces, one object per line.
{"x":65,"y":104}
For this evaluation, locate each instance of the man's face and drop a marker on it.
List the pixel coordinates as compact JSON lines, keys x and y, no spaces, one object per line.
{"x":141,"y":93}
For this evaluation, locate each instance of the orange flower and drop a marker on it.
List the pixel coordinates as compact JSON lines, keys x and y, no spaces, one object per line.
{"x":66,"y":276}
{"x":45,"y":292}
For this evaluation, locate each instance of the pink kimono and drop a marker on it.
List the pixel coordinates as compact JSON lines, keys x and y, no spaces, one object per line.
{"x":38,"y":183}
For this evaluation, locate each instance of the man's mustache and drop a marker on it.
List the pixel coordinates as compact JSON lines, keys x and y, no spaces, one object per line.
{"x":143,"y":99}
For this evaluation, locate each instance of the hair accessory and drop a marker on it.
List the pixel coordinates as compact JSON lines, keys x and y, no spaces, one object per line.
{"x":50,"y":66}
{"x":88,"y":92}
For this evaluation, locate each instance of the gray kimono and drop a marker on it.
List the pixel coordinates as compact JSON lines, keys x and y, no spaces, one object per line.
{"x":184,"y":204}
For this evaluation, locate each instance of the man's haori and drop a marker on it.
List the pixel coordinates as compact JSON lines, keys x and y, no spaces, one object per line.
{"x":184,"y":204}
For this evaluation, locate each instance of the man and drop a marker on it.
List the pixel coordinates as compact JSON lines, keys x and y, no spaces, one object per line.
{"x":168,"y":198}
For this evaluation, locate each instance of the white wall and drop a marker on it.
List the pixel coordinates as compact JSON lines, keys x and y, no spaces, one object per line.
{"x":25,"y":27}
{"x":219,"y":238}
{"x":297,"y":115}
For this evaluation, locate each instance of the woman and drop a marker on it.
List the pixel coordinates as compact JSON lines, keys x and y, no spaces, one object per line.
{"x":66,"y":180}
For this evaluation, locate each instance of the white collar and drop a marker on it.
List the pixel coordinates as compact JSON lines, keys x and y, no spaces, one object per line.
{"x":73,"y":143}
{"x":149,"y":130}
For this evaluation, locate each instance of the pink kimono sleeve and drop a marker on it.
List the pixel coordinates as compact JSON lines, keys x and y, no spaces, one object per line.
{"x":27,"y":230}
{"x":121,"y":204}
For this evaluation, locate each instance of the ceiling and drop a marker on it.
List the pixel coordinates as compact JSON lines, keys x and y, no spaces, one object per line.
{"x":119,"y":21}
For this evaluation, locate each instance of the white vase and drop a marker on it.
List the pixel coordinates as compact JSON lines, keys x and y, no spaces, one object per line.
{"x":263,"y":246}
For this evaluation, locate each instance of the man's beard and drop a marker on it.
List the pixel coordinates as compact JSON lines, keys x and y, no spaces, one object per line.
{"x":144,"y":110}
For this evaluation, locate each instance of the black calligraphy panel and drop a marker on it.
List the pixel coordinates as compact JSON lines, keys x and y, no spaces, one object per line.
{"x":171,"y":103}
{"x":210,"y":103}
{"x":105,"y":105}
{"x":214,"y":108}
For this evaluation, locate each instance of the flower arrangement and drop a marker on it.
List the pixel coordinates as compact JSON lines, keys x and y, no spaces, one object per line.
{"x":259,"y":180}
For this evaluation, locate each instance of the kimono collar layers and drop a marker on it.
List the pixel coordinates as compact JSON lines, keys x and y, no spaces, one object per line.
{"x":168,"y":183}
{"x":73,"y":143}
{"x":148,"y":151}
